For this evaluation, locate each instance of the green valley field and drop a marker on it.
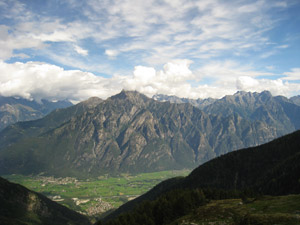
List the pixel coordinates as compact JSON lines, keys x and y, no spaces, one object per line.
{"x":94,"y":196}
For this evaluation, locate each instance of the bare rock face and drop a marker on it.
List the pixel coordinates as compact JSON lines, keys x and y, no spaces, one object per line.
{"x":127,"y":133}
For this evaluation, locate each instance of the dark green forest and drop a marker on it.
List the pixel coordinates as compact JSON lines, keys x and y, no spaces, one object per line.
{"x":249,"y":174}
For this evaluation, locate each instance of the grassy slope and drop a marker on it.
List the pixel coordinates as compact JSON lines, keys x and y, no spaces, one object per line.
{"x":265,"y":210}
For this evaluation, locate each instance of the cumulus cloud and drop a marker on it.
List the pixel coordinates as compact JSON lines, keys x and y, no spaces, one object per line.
{"x":36,"y":80}
{"x":171,"y":80}
{"x":276,"y":87}
{"x":246,"y":83}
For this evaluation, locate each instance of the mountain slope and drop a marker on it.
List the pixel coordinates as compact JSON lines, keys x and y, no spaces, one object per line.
{"x":278,"y":112}
{"x":271,"y":169}
{"x":22,"y":130}
{"x":296,"y":99}
{"x":13,"y":110}
{"x":22,"y":206}
{"x":125,"y":133}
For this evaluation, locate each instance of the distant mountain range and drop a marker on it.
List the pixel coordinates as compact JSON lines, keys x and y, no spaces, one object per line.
{"x":269,"y":169}
{"x":13,"y":110}
{"x":199,"y":103}
{"x":130,"y":132}
{"x":21,"y":206}
{"x":278,"y":112}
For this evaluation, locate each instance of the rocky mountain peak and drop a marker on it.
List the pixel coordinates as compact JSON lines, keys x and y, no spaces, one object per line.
{"x":92,"y":102}
{"x":132,"y":96}
{"x":242,"y":93}
{"x":265,"y":95}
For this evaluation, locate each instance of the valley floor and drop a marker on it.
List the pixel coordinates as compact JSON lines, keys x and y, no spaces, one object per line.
{"x":93,"y":197}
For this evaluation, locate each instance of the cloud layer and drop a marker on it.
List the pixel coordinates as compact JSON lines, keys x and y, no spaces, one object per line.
{"x":35,"y":80}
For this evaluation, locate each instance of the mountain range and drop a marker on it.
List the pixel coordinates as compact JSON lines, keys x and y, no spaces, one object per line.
{"x":278,"y":112}
{"x":130,"y":132}
{"x":13,"y":109}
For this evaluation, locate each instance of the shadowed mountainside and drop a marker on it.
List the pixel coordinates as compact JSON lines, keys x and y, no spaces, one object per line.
{"x":20,"y":206}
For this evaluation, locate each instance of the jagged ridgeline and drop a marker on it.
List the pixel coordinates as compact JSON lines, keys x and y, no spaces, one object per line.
{"x":277,"y":112}
{"x":128,"y":132}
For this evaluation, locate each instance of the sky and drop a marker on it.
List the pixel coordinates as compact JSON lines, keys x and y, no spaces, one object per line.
{"x":73,"y":49}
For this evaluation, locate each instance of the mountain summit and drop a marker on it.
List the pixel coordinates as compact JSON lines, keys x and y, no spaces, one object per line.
{"x":128,"y":132}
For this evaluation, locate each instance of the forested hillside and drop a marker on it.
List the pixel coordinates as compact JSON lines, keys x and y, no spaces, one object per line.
{"x":269,"y":169}
{"x":20,"y":206}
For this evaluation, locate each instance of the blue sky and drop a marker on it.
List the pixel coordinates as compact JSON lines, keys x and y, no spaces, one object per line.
{"x":205,"y":48}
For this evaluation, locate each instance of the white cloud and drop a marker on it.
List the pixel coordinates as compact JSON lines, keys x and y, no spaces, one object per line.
{"x":215,"y":46}
{"x":294,"y":75}
{"x":81,"y":51}
{"x":276,"y":87}
{"x":36,"y":80}
{"x":282,"y":46}
{"x":112,"y":54}
{"x":246,"y":83}
{"x":9,"y":42}
{"x":171,"y":80}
